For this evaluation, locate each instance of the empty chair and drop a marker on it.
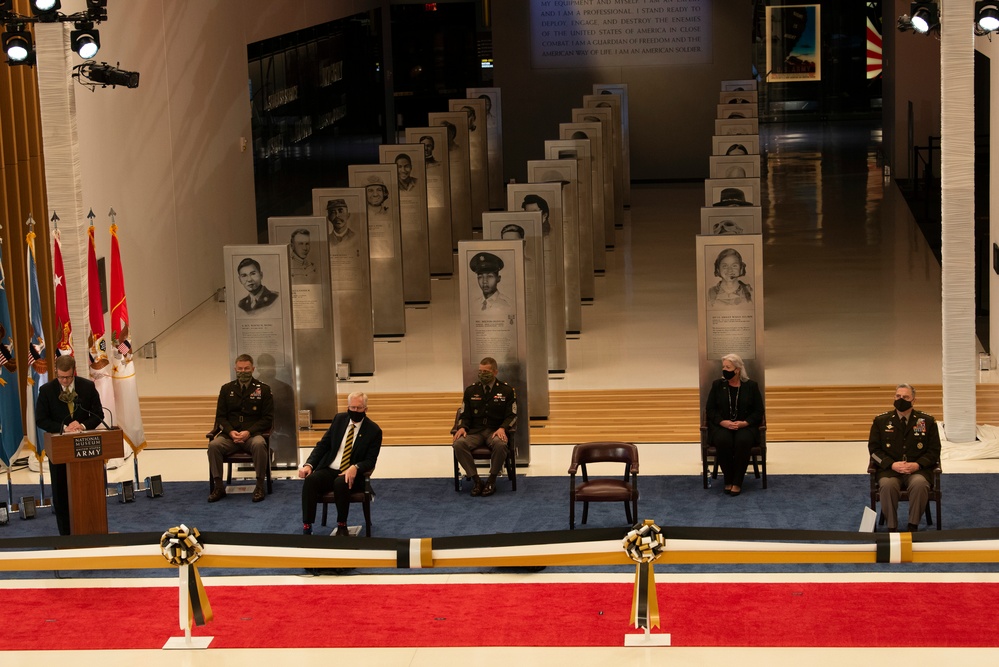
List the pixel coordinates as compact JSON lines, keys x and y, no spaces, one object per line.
{"x":604,"y":489}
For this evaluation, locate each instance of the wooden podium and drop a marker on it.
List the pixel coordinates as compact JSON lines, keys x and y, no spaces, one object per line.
{"x":84,"y":454}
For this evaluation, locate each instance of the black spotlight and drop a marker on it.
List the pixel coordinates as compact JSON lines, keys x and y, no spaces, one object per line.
{"x":925,"y":16}
{"x":18,"y":46}
{"x":987,"y":15}
{"x":97,"y":10}
{"x":109,"y":75}
{"x":46,"y":10}
{"x":85,"y":40}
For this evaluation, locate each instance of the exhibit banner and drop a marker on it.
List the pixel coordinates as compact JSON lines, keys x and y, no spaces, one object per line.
{"x":312,"y":311}
{"x":620,"y":90}
{"x":794,"y":43}
{"x":492,"y":300}
{"x":729,"y":192}
{"x":604,"y":119}
{"x":594,"y":34}
{"x":731,"y":220}
{"x":564,"y":173}
{"x":494,"y":134}
{"x":384,"y":245}
{"x":258,"y":307}
{"x":603,"y":183}
{"x":526,"y":226}
{"x":622,"y":184}
{"x":730,"y":304}
{"x":734,"y":166}
{"x":547,"y":198}
{"x":411,"y":184}
{"x":459,"y":159}
{"x":478,"y":154}
{"x":592,"y":254}
{"x":435,"y":159}
{"x":736,"y":111}
{"x":346,"y":214}
{"x":743,"y":144}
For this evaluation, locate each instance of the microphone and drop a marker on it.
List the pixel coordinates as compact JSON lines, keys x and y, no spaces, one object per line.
{"x":93,"y":414}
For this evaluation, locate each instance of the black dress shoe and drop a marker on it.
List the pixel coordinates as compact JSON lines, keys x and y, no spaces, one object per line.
{"x":217,"y":494}
{"x":489,"y":489}
{"x":477,"y":488}
{"x":342,"y":531}
{"x":913,"y":527}
{"x":259,"y":494}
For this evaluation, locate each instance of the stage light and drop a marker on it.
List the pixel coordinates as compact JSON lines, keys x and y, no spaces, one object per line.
{"x":97,"y":10}
{"x":90,"y":73}
{"x":987,"y":15}
{"x":85,"y":40}
{"x":925,"y":16}
{"x":18,"y":46}
{"x":47,"y":11}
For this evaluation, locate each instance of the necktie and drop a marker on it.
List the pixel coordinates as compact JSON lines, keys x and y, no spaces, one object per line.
{"x":347,"y":447}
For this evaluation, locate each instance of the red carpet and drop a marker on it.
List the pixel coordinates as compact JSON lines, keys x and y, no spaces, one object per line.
{"x":952,"y":615}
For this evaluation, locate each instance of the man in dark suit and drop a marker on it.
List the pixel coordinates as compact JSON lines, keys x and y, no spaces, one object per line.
{"x":905,"y":446}
{"x":245,"y":411}
{"x":347,"y":452}
{"x":67,"y":404}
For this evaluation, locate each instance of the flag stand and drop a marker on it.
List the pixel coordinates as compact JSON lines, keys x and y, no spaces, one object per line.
{"x":11,"y":505}
{"x":42,"y":500}
{"x":187,"y":641}
{"x":135,"y":469}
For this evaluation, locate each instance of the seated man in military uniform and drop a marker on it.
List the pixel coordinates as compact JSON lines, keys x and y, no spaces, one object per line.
{"x":905,"y":446}
{"x":488,"y":416}
{"x":245,"y":411}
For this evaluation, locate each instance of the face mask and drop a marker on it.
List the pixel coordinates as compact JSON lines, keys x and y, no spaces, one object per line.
{"x":902,"y":405}
{"x":728,"y":375}
{"x":244,"y":376}
{"x":486,"y":377}
{"x":355,"y":416}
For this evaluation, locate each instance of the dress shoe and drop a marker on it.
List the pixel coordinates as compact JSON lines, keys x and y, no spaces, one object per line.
{"x":306,"y":529}
{"x":217,"y":494}
{"x":913,"y":527}
{"x":489,"y":489}
{"x":477,"y":488}
{"x":342,"y":531}
{"x":734,"y":492}
{"x":259,"y":494}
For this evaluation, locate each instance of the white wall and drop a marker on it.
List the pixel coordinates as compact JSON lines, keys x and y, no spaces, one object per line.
{"x":167,"y":155}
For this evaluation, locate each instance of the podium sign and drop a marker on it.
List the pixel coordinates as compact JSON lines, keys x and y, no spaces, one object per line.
{"x":84,"y":454}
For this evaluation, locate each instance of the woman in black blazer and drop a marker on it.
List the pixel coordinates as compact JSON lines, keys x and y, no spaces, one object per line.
{"x":734,"y":413}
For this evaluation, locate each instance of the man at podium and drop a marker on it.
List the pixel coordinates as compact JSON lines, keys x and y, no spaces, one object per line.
{"x":67,"y":404}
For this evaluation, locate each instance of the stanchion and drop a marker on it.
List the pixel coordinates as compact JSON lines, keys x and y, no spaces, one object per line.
{"x":180,"y":547}
{"x":187,"y":641}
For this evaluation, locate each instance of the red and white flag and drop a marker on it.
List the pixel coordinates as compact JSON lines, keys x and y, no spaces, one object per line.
{"x":64,"y":328}
{"x":97,"y":347}
{"x":126,"y":393}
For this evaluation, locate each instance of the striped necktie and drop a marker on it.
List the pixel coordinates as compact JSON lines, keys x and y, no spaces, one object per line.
{"x":348,"y":446}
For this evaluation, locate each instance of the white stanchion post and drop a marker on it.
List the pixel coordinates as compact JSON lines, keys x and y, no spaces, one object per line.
{"x":187,"y":641}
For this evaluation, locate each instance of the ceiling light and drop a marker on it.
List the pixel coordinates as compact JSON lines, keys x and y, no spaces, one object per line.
{"x":987,"y":15}
{"x":925,"y":16}
{"x":18,"y":46}
{"x":85,"y":40}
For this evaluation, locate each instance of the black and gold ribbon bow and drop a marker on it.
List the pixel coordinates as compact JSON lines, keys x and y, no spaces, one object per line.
{"x":180,"y":546}
{"x":644,"y":543}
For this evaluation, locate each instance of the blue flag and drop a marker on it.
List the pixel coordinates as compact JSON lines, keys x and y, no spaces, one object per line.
{"x":11,"y":429}
{"x":36,"y":349}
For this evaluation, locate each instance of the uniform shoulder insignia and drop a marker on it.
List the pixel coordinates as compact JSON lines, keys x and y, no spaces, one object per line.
{"x":886,"y":413}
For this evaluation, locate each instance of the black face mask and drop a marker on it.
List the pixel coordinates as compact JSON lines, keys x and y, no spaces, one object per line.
{"x":728,"y":375}
{"x":355,"y":416}
{"x":902,"y":405}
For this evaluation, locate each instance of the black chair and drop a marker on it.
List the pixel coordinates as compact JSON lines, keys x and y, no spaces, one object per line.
{"x":364,"y":496}
{"x":934,"y":496}
{"x":484,"y":453}
{"x":242,"y":458}
{"x":757,"y":455}
{"x":604,"y":489}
